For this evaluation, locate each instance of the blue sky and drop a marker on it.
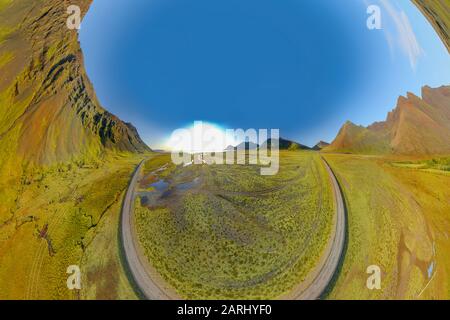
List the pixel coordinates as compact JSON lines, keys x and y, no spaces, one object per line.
{"x":301,"y":66}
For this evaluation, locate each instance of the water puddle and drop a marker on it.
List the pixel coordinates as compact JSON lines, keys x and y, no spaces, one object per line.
{"x":432,"y":266}
{"x":160,"y":186}
{"x":161,"y":190}
{"x":188,"y":185}
{"x":430,"y":270}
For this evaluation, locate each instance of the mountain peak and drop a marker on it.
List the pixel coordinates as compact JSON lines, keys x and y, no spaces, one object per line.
{"x":285,"y":144}
{"x":321,"y":145}
{"x":348,"y":123}
{"x":52,"y":113}
{"x":416,"y":126}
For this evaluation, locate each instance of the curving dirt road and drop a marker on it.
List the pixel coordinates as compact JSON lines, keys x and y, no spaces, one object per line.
{"x":152,"y":287}
{"x":144,"y":277}
{"x":319,"y":281}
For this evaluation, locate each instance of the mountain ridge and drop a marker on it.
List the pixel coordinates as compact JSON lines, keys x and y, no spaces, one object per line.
{"x":285,"y":144}
{"x":416,"y":126}
{"x":320,"y":145}
{"x":49,"y":111}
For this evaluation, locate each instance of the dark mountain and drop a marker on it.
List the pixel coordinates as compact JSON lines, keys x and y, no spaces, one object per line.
{"x":286,"y":145}
{"x":246,"y":146}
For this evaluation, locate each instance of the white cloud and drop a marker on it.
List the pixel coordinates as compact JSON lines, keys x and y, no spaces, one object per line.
{"x":404,"y":37}
{"x":201,"y":137}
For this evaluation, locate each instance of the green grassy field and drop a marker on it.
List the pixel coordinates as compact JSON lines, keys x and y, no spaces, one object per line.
{"x":4,"y":3}
{"x":435,"y":164}
{"x":234,"y":233}
{"x":5,"y":58}
{"x":399,"y":220}
{"x":66,"y":214}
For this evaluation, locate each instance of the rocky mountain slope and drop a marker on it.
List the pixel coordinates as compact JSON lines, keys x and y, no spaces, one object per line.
{"x":417,"y":126}
{"x":48,"y":109}
{"x":438,"y":14}
{"x":320,"y":145}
